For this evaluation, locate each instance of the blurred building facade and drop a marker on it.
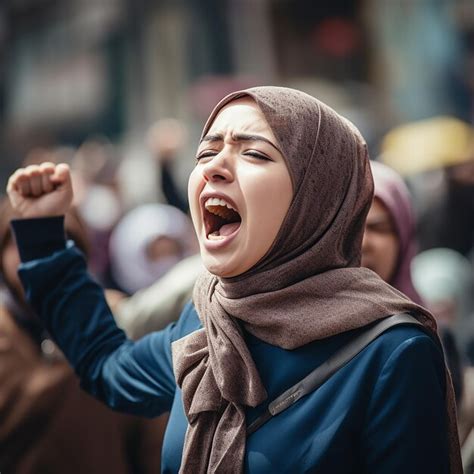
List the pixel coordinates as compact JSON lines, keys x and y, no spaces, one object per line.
{"x":72,"y":68}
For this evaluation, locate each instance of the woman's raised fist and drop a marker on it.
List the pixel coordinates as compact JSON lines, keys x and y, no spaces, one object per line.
{"x":43,"y":190}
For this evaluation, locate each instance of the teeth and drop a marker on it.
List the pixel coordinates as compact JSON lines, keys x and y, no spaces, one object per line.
{"x":215,"y":236}
{"x":218,"y":202}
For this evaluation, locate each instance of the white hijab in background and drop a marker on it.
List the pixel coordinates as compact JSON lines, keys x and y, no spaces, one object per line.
{"x":131,"y":266}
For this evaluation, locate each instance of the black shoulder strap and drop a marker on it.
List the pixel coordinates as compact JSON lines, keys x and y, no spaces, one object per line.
{"x":322,"y":373}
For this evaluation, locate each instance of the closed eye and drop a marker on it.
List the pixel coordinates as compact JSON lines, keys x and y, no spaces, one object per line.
{"x":206,"y":154}
{"x":257,"y":155}
{"x":252,"y":153}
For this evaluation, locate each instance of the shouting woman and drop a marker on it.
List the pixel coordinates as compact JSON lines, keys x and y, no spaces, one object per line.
{"x":278,"y":198}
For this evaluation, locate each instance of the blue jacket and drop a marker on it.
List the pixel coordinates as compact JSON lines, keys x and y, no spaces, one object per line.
{"x":384,"y":412}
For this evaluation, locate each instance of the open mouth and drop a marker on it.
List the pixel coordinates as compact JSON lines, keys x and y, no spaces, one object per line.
{"x":220,"y":218}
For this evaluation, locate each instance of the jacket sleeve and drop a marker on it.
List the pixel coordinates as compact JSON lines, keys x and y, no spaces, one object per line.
{"x":131,"y":377}
{"x":406,"y":425}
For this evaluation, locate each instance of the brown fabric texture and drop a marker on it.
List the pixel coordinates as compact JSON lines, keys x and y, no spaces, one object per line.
{"x":308,"y":286}
{"x":49,"y":425}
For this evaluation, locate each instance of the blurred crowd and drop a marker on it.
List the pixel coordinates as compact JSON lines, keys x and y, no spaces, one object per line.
{"x":419,"y":238}
{"x":131,"y":220}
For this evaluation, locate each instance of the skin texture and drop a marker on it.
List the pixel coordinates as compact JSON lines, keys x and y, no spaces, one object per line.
{"x":253,"y":174}
{"x":380,"y":246}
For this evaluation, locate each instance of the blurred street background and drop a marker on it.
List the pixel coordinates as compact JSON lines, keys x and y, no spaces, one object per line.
{"x":75,"y":69}
{"x":120,"y":90}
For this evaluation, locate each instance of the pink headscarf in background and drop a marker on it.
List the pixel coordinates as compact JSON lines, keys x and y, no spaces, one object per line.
{"x":391,"y":190}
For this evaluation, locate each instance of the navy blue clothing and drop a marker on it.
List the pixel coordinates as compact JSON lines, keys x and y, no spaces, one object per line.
{"x":384,"y":412}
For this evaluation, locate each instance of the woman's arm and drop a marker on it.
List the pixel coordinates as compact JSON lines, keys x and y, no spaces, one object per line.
{"x":132,"y":377}
{"x":136,"y":378}
{"x":173,"y":195}
{"x":406,"y":423}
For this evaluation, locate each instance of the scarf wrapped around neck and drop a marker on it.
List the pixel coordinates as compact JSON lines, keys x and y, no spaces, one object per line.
{"x":309,"y":285}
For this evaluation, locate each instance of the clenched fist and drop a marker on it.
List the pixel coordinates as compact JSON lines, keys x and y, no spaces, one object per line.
{"x":43,"y":190}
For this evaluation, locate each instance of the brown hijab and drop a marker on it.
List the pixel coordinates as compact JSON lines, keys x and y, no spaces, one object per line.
{"x":308,"y":286}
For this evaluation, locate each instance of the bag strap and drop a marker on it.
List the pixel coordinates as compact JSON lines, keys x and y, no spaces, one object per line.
{"x":322,"y":373}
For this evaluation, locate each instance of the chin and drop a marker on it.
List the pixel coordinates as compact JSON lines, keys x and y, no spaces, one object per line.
{"x":214,"y":266}
{"x":221,"y":272}
{"x":219,"y":268}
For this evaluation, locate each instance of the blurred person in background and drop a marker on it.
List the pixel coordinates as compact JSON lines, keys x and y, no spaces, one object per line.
{"x":444,"y":278}
{"x":151,"y":308}
{"x":436,"y":156}
{"x":38,"y":155}
{"x":389,"y":243}
{"x":47,"y":423}
{"x":165,"y":139}
{"x":457,"y":230}
{"x":98,"y":198}
{"x":147,"y":242}
{"x":149,"y":173}
{"x":154,"y":259}
{"x":389,"y":247}
{"x":447,"y":210}
{"x":97,"y":194}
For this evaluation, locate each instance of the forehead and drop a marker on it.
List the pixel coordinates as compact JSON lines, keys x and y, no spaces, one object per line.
{"x":379,"y":209}
{"x":241,"y":115}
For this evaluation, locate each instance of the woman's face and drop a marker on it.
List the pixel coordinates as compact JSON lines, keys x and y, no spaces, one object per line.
{"x":380,"y":246}
{"x":239,"y":191}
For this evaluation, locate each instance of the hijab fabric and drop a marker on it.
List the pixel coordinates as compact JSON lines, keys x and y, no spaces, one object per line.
{"x":391,"y":190}
{"x":307,"y":287}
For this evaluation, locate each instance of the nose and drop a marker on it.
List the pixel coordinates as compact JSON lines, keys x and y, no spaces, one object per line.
{"x":219,"y":168}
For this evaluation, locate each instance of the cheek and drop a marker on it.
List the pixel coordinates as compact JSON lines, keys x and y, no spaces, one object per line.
{"x":391,"y":247}
{"x":379,"y":243}
{"x":380,"y":253}
{"x":388,"y":254}
{"x":195,"y":184}
{"x":270,"y":203}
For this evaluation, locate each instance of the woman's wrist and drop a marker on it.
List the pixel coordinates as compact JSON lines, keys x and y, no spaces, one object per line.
{"x":38,"y":237}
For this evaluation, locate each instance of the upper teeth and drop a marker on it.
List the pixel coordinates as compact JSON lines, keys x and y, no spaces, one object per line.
{"x":213,"y":201}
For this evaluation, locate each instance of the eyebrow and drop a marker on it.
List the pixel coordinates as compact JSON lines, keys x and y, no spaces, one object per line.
{"x":239,"y":137}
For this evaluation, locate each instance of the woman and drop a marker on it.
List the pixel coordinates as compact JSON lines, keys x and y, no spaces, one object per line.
{"x":147,"y":242}
{"x":47,"y":424}
{"x":278,"y":198}
{"x":389,"y":242}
